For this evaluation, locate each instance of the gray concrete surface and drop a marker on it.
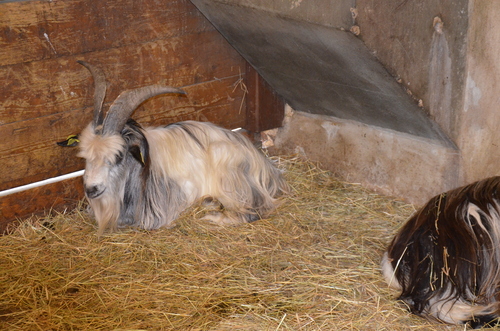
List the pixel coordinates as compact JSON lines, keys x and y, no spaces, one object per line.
{"x":319,"y":69}
{"x":350,"y":115}
{"x":389,"y":162}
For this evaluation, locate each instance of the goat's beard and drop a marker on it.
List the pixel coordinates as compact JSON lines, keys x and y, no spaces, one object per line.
{"x":106,"y":210}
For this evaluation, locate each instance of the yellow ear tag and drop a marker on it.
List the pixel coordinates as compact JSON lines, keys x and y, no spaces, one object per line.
{"x":71,"y":141}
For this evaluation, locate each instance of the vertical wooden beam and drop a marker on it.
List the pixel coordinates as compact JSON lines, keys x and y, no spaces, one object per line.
{"x":265,"y":108}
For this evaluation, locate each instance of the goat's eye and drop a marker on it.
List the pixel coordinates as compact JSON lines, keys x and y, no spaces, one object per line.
{"x":119,"y":158}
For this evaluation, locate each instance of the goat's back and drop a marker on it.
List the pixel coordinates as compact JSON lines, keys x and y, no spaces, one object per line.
{"x":207,"y":160}
{"x":446,"y":259}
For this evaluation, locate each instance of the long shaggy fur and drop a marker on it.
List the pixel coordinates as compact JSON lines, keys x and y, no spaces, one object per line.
{"x":446,"y":259}
{"x":147,"y":177}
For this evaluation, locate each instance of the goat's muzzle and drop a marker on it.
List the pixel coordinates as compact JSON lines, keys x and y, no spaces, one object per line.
{"x":94,"y":191}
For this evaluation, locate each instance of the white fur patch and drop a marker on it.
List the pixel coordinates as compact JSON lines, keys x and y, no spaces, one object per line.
{"x":388,"y":273}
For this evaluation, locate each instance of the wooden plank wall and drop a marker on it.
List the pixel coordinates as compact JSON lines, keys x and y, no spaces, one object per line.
{"x":46,"y":95}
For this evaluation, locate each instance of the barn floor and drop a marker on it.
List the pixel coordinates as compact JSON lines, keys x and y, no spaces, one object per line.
{"x":313,"y":265}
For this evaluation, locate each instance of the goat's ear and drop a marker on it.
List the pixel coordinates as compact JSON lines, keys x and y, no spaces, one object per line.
{"x":71,"y":141}
{"x":135,"y":150}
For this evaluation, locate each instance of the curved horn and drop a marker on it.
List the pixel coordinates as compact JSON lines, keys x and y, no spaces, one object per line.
{"x":128,"y":101}
{"x":99,"y":91}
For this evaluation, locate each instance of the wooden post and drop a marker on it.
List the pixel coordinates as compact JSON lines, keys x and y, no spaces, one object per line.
{"x":265,"y":108}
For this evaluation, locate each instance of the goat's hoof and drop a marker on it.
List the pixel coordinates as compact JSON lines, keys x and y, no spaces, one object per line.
{"x":221,"y":219}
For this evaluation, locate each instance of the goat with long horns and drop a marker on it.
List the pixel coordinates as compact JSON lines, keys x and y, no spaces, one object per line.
{"x":145,"y":177}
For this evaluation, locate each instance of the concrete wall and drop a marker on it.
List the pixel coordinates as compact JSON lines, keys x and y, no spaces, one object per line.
{"x":478,"y":131}
{"x":386,"y":161}
{"x":446,"y":54}
{"x":424,"y":44}
{"x":332,"y":13}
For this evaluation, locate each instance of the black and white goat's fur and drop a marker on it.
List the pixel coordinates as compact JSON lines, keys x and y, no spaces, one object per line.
{"x":147,"y":177}
{"x":446,"y":259}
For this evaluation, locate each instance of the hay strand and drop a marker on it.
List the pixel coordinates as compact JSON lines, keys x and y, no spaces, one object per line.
{"x":312,"y":265}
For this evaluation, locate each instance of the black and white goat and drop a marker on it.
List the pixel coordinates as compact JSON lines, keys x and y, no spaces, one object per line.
{"x":446,"y":259}
{"x":147,"y":177}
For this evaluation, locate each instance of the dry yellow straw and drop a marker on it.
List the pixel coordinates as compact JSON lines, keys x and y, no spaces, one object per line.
{"x":313,"y":265}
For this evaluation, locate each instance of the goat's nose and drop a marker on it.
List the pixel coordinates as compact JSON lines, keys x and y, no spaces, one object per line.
{"x":93,"y":191}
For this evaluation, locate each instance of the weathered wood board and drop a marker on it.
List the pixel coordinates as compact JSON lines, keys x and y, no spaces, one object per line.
{"x":46,"y":95}
{"x":37,"y":30}
{"x":40,"y":200}
{"x":262,"y":103}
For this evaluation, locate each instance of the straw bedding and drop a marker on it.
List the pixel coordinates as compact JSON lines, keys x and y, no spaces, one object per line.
{"x":312,"y":265}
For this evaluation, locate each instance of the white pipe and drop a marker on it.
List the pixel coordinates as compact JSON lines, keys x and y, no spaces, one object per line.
{"x":41,"y":183}
{"x":49,"y":181}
